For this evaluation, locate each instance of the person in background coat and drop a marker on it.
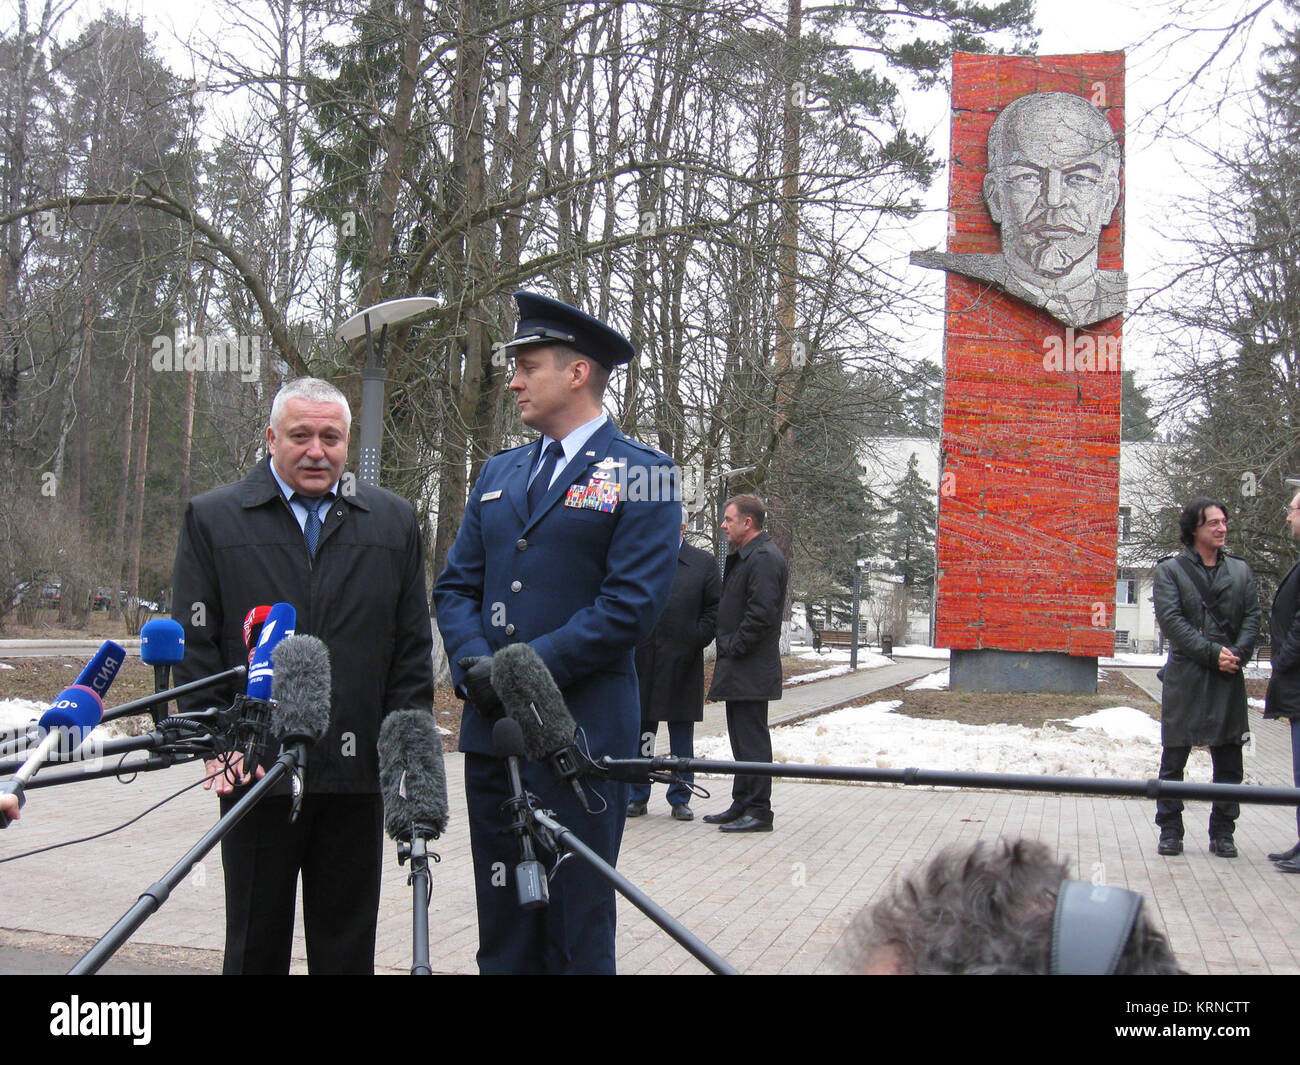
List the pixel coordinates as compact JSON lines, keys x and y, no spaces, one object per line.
{"x":1208,"y":609}
{"x":748,"y":671}
{"x":1283,"y":697}
{"x":670,"y":669}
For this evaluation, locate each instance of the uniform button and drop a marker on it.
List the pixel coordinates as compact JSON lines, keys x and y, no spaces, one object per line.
{"x":521,"y":544}
{"x":516,"y":586}
{"x":510,"y":630}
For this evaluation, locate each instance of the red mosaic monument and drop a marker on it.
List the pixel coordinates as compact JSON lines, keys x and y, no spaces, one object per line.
{"x":1029,"y":487}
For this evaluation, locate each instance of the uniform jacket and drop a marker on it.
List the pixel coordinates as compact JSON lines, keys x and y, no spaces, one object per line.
{"x":749,"y":623}
{"x":1200,"y":705}
{"x":583,"y":586}
{"x":363,"y":595}
{"x":670,"y":664}
{"x":1283,"y":698}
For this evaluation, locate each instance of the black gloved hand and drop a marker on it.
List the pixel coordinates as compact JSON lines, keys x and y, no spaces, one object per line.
{"x":478,"y":686}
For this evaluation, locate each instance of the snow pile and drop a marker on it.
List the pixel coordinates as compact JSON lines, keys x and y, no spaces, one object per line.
{"x":1108,"y":743}
{"x":931,"y":682}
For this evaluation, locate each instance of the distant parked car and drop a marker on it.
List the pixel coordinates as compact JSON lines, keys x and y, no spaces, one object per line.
{"x":52,"y":595}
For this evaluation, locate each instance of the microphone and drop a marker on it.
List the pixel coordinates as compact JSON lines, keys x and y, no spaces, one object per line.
{"x":279,"y":623}
{"x":100,"y":671}
{"x":256,"y":714}
{"x":412,"y":776}
{"x":531,"y":886}
{"x":253,"y":627}
{"x":70,"y":719}
{"x":300,"y":711}
{"x":532,"y":699}
{"x":162,"y":645}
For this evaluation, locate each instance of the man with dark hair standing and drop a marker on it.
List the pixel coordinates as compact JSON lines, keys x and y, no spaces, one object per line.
{"x":1208,"y":609}
{"x":1283,"y":697}
{"x":670,"y":668}
{"x":349,"y":559}
{"x":748,"y":670}
{"x":569,"y":544}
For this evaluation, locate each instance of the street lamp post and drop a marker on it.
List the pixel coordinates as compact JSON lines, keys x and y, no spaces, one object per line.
{"x":373,"y":373}
{"x":858,"y":566}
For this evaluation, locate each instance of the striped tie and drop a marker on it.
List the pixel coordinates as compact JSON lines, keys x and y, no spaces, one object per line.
{"x":312,"y":526}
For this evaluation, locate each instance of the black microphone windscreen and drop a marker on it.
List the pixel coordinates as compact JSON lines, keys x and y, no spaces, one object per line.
{"x":532,"y":698}
{"x":300,"y":688}
{"x":507,"y":738}
{"x":412,"y":777}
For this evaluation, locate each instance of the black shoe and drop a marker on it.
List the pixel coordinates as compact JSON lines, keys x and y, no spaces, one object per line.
{"x":1169,"y":844}
{"x":1286,"y":856}
{"x":1223,"y":847}
{"x":1289,"y":865}
{"x":635,"y":809}
{"x":731,"y":813}
{"x":748,"y":823}
{"x":683,"y":813}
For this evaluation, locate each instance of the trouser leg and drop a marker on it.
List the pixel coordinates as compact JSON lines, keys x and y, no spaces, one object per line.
{"x":750,"y":742}
{"x":1228,"y":769}
{"x":1169,"y":812}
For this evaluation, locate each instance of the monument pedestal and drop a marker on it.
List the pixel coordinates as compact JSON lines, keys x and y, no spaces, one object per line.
{"x":986,"y":670}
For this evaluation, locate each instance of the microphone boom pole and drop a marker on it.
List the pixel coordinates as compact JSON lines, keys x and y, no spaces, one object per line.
{"x":635,"y":770}
{"x":156,"y":894}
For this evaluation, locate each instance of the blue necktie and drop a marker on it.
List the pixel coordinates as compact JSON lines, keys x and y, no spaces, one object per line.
{"x":544,"y":474}
{"x":312,"y":526}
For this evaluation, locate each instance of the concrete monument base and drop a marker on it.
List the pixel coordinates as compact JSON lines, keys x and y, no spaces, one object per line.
{"x":987,"y":670}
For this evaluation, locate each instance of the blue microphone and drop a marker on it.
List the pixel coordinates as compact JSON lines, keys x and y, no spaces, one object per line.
{"x":100,"y":670}
{"x":69,"y":720}
{"x":162,"y":645}
{"x":279,"y":623}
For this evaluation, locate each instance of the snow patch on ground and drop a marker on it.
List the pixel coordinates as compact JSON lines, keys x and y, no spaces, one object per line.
{"x":1108,"y":743}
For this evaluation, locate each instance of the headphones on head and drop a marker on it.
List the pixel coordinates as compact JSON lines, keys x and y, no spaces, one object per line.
{"x":1091,"y":924}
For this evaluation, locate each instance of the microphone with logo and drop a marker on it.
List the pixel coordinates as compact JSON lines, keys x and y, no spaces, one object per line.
{"x":533,"y":700}
{"x":69,"y":720}
{"x":413,"y":781}
{"x":253,"y":730}
{"x":300,"y":715}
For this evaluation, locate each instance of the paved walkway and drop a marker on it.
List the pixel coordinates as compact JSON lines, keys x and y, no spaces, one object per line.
{"x":770,"y":903}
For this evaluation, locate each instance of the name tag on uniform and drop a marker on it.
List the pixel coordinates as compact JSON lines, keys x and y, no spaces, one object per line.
{"x":487,"y":497}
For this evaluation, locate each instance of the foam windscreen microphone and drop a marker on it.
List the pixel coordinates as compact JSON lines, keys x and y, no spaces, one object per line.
{"x":100,"y":671}
{"x":162,"y":642}
{"x":162,"y":645}
{"x":412,"y":776}
{"x":533,"y":700}
{"x":301,"y":689}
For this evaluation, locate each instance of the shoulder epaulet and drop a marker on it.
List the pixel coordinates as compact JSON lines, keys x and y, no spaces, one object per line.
{"x":632,"y":442}
{"x":507,"y":450}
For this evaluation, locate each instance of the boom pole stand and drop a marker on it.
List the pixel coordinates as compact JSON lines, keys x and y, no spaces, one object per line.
{"x":153,"y":898}
{"x":421,"y":881}
{"x":561,"y":841}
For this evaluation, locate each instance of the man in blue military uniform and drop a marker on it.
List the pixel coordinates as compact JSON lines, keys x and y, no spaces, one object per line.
{"x":569,"y":544}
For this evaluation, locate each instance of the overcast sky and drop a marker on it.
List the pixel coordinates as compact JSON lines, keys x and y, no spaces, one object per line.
{"x":1172,"y":103}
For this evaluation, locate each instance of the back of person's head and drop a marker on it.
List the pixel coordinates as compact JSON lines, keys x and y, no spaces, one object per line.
{"x":985,"y":909}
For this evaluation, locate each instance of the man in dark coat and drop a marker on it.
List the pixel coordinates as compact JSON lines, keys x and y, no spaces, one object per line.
{"x":1208,"y":609}
{"x":567,"y":544}
{"x":349,"y":559}
{"x":1283,"y":697}
{"x":670,"y":669}
{"x":748,"y":670}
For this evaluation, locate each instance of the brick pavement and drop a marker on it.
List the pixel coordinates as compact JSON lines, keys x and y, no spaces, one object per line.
{"x":770,"y":903}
